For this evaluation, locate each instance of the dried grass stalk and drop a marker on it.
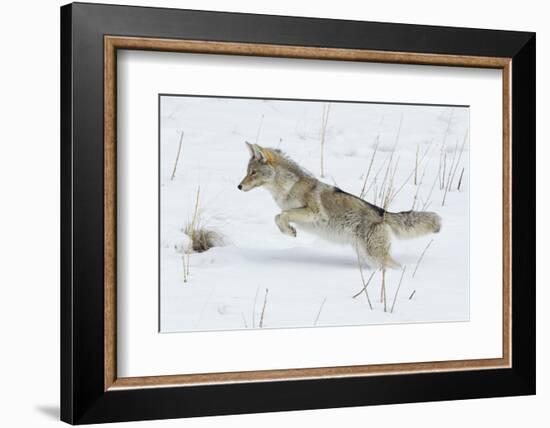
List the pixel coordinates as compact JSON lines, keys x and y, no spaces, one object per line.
{"x":370,"y":167}
{"x":421,"y":256}
{"x":259,"y":129}
{"x":177,"y":158}
{"x":397,"y":291}
{"x":460,"y":179}
{"x":454,"y":167}
{"x":365,"y":284}
{"x":383,"y":290}
{"x":459,"y":157}
{"x":184,"y":263}
{"x":389,"y":193}
{"x":324,"y":122}
{"x":418,"y":188}
{"x":320,"y":310}
{"x":442,"y":153}
{"x":191,"y":229}
{"x":427,"y":203}
{"x":263,"y":308}
{"x":254,"y":307}
{"x":416,"y":164}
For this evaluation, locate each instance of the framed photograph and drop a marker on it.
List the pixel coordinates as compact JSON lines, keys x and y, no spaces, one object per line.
{"x":316,"y":212}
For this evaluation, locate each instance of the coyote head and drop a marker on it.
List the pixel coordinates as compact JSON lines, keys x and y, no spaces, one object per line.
{"x":260,"y":168}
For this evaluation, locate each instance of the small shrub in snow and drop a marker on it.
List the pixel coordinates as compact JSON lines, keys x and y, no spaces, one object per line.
{"x":203,"y":239}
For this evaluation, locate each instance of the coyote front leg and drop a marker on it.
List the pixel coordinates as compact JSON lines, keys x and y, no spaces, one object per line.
{"x":296,"y":215}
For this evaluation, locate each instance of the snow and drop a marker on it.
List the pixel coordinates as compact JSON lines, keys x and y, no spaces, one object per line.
{"x":311,"y":281}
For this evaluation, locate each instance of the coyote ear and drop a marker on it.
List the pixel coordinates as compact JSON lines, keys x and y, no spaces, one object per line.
{"x":250,"y":148}
{"x":264,"y":155}
{"x":259,"y":153}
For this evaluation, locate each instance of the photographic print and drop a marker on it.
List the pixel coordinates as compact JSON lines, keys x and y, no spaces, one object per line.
{"x":286,"y":213}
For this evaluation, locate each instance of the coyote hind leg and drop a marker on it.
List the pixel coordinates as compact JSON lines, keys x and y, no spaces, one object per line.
{"x":374,"y":245}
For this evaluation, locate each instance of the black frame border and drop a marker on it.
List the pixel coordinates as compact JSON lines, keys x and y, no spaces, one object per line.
{"x":83,"y":399}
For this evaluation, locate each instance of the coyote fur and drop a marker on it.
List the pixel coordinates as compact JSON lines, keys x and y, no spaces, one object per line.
{"x":329,"y":211}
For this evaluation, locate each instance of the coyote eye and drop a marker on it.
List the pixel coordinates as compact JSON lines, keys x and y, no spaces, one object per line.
{"x":253,"y":172}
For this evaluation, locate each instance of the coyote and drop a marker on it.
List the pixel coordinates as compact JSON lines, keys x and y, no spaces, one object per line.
{"x":329,"y":211}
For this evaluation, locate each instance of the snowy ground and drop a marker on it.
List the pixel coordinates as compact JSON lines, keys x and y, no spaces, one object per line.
{"x":310,"y":281}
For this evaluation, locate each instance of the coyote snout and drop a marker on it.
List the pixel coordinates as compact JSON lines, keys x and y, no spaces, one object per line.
{"x":329,"y":211}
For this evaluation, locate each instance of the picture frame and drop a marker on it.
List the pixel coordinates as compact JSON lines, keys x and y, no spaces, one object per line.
{"x":91,"y":390}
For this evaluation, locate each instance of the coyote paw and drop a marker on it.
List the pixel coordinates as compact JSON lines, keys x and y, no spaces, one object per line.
{"x":290,"y":231}
{"x":285,"y":228}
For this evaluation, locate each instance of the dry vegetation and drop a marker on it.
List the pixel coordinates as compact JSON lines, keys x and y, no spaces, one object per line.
{"x":200,"y":238}
{"x":319,"y":312}
{"x":322,"y":135}
{"x":177,"y":157}
{"x":383,"y":190}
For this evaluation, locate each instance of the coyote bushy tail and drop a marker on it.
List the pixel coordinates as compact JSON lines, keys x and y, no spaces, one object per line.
{"x":410,"y":224}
